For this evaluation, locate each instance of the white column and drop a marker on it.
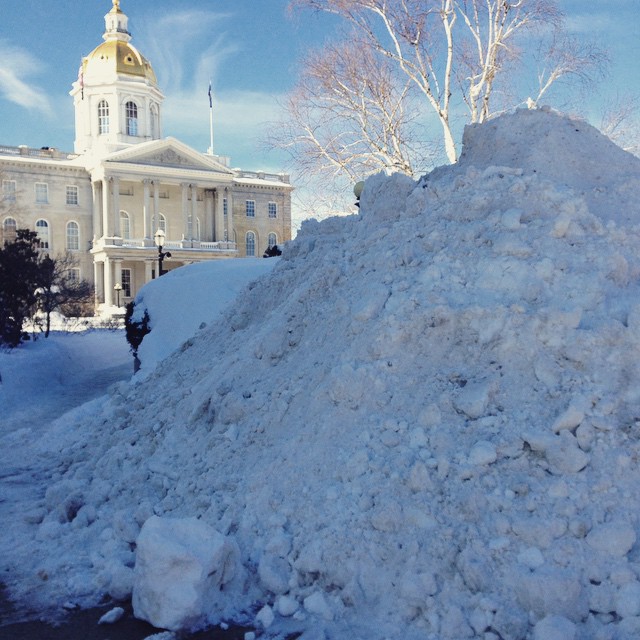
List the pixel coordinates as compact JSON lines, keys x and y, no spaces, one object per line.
{"x":116,"y":206}
{"x":97,"y":210}
{"x":156,"y":205}
{"x":218,"y":221}
{"x":185,"y":211}
{"x":229,"y":196}
{"x":146,"y":210}
{"x":97,"y":279}
{"x":108,"y":283}
{"x":106,"y":227}
{"x":194,"y":212}
{"x":148,"y":266}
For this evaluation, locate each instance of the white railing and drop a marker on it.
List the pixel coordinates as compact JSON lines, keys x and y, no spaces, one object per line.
{"x":261,"y":175}
{"x":44,"y":152}
{"x":173,"y":245}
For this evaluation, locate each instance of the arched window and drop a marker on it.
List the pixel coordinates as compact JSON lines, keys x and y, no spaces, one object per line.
{"x":131,"y":112}
{"x":73,"y":236}
{"x":9,"y":228}
{"x":250,"y":243}
{"x":155,"y":128}
{"x":162,"y":222}
{"x":103,"y":117}
{"x":42,"y":229}
{"x":125,"y":225}
{"x":273,"y":240}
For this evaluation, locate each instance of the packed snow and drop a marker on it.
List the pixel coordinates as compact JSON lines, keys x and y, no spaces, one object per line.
{"x":186,"y":300}
{"x":421,"y":423}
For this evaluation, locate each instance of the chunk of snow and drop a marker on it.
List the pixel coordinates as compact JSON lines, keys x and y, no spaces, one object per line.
{"x":483,"y":453}
{"x":112,"y":616}
{"x":181,"y":566}
{"x":317,"y":605}
{"x":554,"y":628}
{"x":265,"y":617}
{"x":627,"y":600}
{"x":612,"y":538}
{"x":473,"y":399}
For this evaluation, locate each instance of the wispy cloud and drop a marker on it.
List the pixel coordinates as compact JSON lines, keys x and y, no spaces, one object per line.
{"x":16,"y":84}
{"x":186,"y":48}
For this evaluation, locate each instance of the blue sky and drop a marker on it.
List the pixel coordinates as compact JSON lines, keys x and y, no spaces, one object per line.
{"x":248,"y":47}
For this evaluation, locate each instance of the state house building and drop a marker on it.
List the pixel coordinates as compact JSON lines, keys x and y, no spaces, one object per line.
{"x":106,"y":202}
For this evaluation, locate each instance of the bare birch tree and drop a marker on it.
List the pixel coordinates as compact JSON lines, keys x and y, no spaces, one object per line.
{"x":621,"y":121}
{"x":452,"y":54}
{"x":350,"y":115}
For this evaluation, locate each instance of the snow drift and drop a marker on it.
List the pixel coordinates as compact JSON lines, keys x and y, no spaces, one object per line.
{"x":423,"y":423}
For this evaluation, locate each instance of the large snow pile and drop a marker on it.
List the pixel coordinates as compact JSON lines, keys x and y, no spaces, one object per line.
{"x":186,"y":300}
{"x":423,"y":423}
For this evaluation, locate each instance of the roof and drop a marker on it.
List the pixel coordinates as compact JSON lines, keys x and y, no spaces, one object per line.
{"x":118,"y":57}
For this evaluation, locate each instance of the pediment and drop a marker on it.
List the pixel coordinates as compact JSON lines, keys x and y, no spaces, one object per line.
{"x":168,"y":153}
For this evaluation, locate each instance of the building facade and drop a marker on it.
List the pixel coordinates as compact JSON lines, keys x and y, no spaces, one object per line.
{"x":125,"y":187}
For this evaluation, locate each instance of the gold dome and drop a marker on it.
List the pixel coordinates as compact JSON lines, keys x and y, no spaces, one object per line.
{"x":119,"y":57}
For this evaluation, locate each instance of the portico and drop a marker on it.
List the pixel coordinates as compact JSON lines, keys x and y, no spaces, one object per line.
{"x":162,"y":184}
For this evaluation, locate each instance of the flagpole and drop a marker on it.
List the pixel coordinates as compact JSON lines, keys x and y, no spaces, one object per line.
{"x":210,"y":121}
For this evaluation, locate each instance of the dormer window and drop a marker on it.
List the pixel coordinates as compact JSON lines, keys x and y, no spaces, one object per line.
{"x":132,"y":118}
{"x":103,"y":117}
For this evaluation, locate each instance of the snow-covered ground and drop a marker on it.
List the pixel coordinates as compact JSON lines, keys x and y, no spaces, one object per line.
{"x":422,"y":423}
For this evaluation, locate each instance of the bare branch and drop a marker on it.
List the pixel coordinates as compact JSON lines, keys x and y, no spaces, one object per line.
{"x":358,"y":104}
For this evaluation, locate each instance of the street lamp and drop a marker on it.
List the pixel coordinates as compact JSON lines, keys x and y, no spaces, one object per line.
{"x":159,"y":238}
{"x":117,"y":287}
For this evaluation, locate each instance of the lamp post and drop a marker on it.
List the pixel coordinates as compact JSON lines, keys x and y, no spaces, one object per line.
{"x":159,"y":238}
{"x":117,"y":287}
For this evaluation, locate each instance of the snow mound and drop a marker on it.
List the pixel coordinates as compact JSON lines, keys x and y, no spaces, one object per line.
{"x":423,"y":423}
{"x":568,"y":151}
{"x":174,"y":315}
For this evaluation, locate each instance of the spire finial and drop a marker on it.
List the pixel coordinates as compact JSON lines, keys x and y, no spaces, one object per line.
{"x":116,"y":5}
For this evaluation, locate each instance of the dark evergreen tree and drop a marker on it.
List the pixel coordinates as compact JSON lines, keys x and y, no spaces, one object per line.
{"x":19,"y":280}
{"x":135,"y":330}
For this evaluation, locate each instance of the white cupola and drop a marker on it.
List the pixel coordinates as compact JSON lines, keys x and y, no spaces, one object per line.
{"x":116,"y":96}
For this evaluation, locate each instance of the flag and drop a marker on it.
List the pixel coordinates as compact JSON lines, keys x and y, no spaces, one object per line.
{"x":210,"y":99}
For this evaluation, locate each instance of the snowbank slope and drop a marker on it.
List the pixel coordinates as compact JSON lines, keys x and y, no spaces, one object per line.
{"x":422,"y":423}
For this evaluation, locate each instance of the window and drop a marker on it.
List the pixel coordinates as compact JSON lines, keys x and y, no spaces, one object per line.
{"x":155,"y":129}
{"x":9,"y":227}
{"x":251,"y":208}
{"x":73,"y":275}
{"x":125,"y":225}
{"x":126,"y":282}
{"x":73,"y":236}
{"x":131,"y":112}
{"x":273,"y":210}
{"x":273,"y":240}
{"x":42,"y":229}
{"x":162,"y":222}
{"x":103,"y":117}
{"x":9,"y":190}
{"x":197,"y":229}
{"x":250,"y":242}
{"x":72,"y":195}
{"x":225,"y":206}
{"x":42,"y":193}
